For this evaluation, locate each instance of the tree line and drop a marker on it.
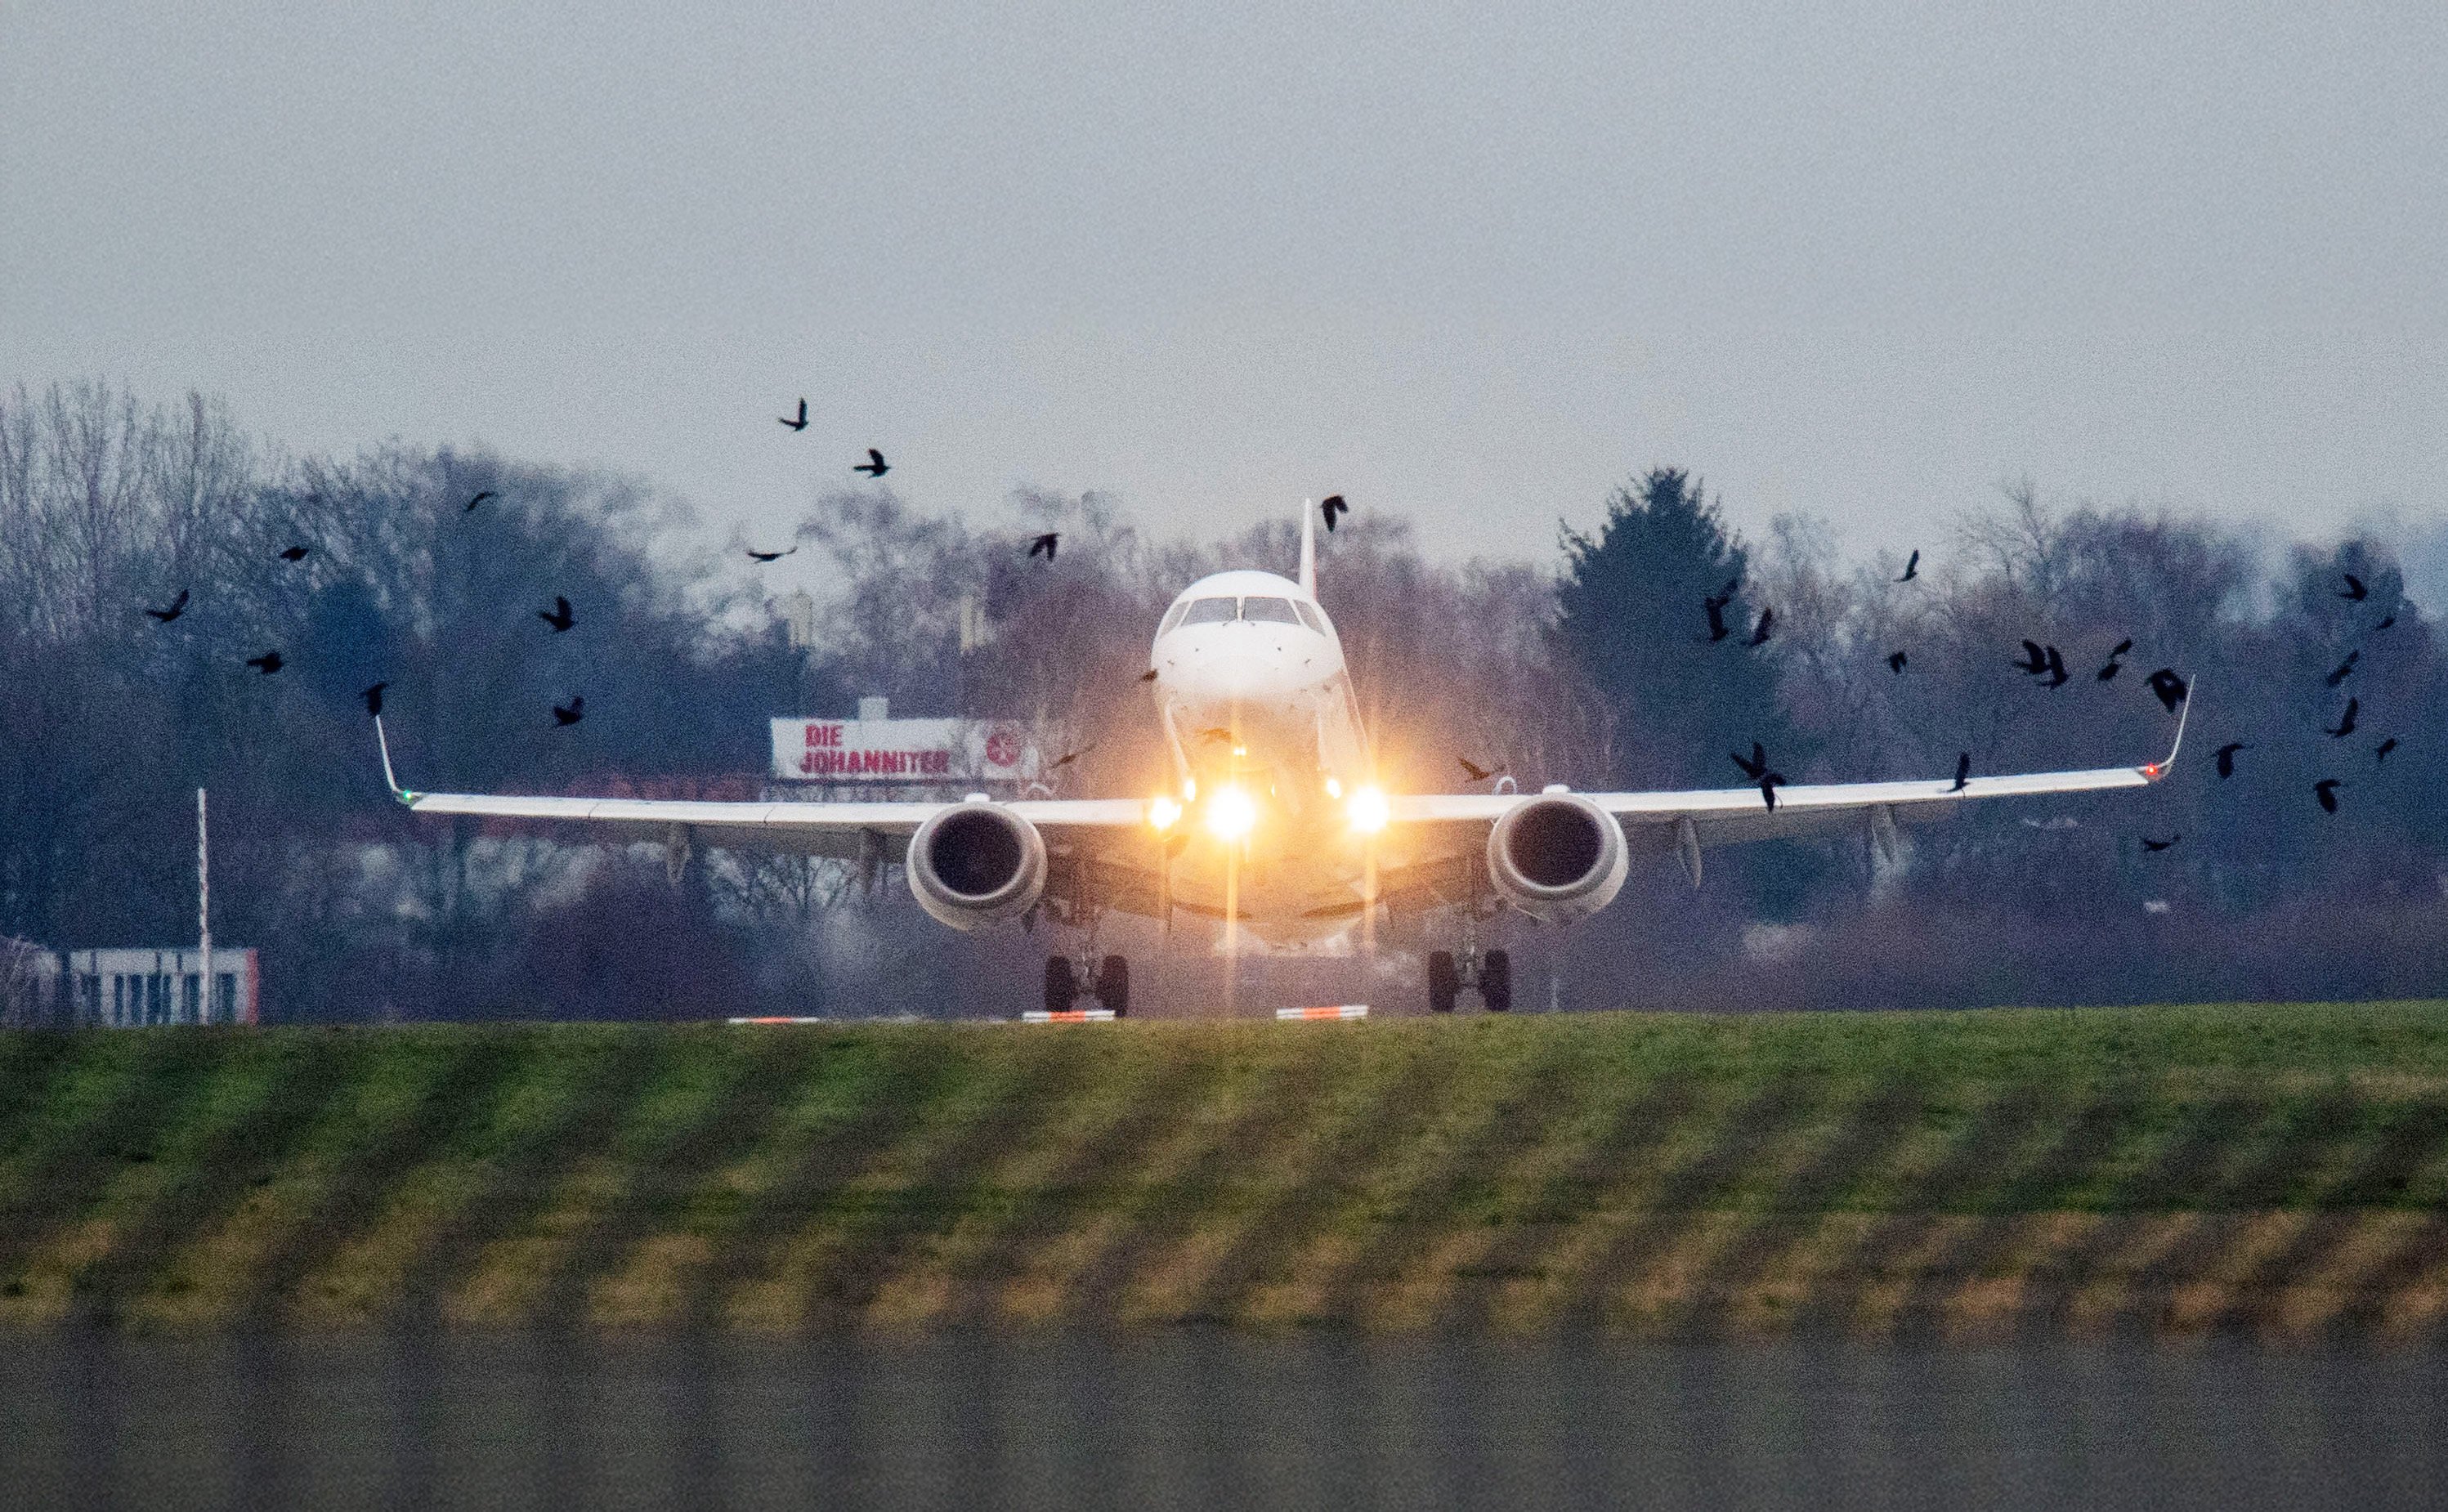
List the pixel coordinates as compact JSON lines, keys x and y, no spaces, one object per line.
{"x":1591,"y":664}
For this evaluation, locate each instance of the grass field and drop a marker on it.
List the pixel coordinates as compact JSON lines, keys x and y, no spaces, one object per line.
{"x":2279,"y":1170}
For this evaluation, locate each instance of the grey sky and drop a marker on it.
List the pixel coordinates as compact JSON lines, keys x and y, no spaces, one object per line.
{"x":1217,"y":258}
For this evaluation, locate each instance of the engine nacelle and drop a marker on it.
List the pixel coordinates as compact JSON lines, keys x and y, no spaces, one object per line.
{"x":1558,"y":858}
{"x":976,"y":863}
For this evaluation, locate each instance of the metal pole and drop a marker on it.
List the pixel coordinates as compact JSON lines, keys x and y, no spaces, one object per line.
{"x":203,"y":913}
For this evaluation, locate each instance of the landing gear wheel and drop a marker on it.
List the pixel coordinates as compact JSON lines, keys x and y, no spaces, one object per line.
{"x":1113,"y":986}
{"x":1445,"y":983}
{"x":1495,"y":980}
{"x":1062,"y":984}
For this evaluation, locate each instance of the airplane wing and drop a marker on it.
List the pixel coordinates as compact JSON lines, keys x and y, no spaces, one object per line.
{"x":1656,"y":822}
{"x":850,"y":831}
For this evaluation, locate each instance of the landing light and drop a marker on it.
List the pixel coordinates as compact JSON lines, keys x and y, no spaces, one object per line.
{"x":1231,"y":814}
{"x":1333,"y":788}
{"x":1163,"y":814}
{"x":1368,"y":810}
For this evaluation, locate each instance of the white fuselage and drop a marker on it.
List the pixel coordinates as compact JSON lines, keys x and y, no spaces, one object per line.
{"x":1269,"y":754}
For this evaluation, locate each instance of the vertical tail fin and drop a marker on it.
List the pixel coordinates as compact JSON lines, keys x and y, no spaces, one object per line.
{"x":1308,"y":549}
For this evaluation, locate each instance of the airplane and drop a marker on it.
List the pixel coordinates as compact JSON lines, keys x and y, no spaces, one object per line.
{"x":1274,"y":821}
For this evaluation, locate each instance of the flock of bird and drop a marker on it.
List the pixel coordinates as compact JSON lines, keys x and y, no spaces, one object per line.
{"x":2046,"y":664}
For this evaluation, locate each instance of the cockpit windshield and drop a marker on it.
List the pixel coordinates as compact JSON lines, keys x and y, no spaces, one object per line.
{"x":1272,"y":611}
{"x":1210,"y":611}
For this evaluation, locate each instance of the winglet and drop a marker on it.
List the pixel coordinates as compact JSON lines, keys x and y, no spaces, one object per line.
{"x":2155,"y":769}
{"x":383,"y":742}
{"x":1308,"y":549}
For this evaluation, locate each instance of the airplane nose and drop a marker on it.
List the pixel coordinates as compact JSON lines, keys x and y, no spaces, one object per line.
{"x":1234,"y":663}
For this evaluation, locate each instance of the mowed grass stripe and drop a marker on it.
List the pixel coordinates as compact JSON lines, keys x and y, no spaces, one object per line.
{"x":2279,"y":1170}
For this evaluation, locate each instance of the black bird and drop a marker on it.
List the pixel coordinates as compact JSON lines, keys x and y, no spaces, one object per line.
{"x":2327,"y":790}
{"x":1756,"y":766}
{"x":1149,"y":675}
{"x":2347,"y":725}
{"x":1716,"y":610}
{"x":295,"y":554}
{"x":1477,"y":773}
{"x":2354,"y":592}
{"x":374,"y":698}
{"x":1962,"y":772}
{"x":2169,"y":687}
{"x":1333,"y":508}
{"x":2056,"y":669}
{"x":479,"y":499}
{"x":1896,"y":661}
{"x":2034,"y":660}
{"x":2107,"y":673}
{"x":1726,"y":595}
{"x":2226,"y":754}
{"x":2344,"y":667}
{"x":1768,"y":783}
{"x":558,"y":616}
{"x":1044,"y":545}
{"x":1759,"y":631}
{"x":874,"y":467}
{"x":754,"y":555}
{"x":800,"y":424}
{"x":267,"y":663}
{"x":2385,"y":747}
{"x":1069,"y":757}
{"x":2149,"y":844}
{"x":177,"y":606}
{"x":1912,"y":568}
{"x":577,"y":711}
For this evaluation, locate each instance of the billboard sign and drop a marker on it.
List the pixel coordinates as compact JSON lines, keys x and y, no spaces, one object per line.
{"x":908,"y":752}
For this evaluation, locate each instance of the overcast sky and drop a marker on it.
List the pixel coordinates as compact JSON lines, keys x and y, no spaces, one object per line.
{"x":1217,"y":258}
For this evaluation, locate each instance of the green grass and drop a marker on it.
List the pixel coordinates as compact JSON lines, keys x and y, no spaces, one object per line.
{"x":2273,"y":1168}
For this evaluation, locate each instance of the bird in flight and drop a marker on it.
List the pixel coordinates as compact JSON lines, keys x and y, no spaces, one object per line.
{"x":2034,"y":660}
{"x":295,"y":554}
{"x":2056,"y":669}
{"x":479,"y":499}
{"x":1755,"y":765}
{"x":874,"y":467}
{"x":558,"y":616}
{"x":577,"y":711}
{"x":267,"y":663}
{"x":1477,"y":773}
{"x":177,"y":606}
{"x":2327,"y":790}
{"x":2344,"y":667}
{"x":2149,"y":844}
{"x":1333,"y":508}
{"x":1896,"y":661}
{"x":799,"y":423}
{"x":1044,"y":545}
{"x":374,"y":698}
{"x":1069,"y":757}
{"x":1759,"y":636}
{"x":2347,"y":725}
{"x":2226,"y":754}
{"x":2385,"y":747}
{"x":1962,"y":772}
{"x":2354,"y":592}
{"x":1716,"y":612}
{"x":1149,"y":675}
{"x":1912,"y":567}
{"x":2115,"y":663}
{"x":2169,"y":687}
{"x":754,"y":555}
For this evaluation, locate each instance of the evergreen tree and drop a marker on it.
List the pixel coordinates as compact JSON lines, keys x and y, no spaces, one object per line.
{"x":1632,"y":614}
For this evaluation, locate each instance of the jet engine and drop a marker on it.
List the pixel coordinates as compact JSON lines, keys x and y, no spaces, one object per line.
{"x":976,"y":863}
{"x":1558,"y":858}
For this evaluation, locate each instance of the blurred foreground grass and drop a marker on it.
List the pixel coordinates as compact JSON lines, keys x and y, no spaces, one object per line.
{"x":2276,"y":1169}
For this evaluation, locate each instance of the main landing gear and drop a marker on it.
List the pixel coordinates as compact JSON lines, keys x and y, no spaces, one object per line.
{"x":1490,"y":971}
{"x":1066,"y":979}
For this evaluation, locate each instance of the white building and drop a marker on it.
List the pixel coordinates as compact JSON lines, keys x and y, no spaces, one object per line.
{"x":123,"y":989}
